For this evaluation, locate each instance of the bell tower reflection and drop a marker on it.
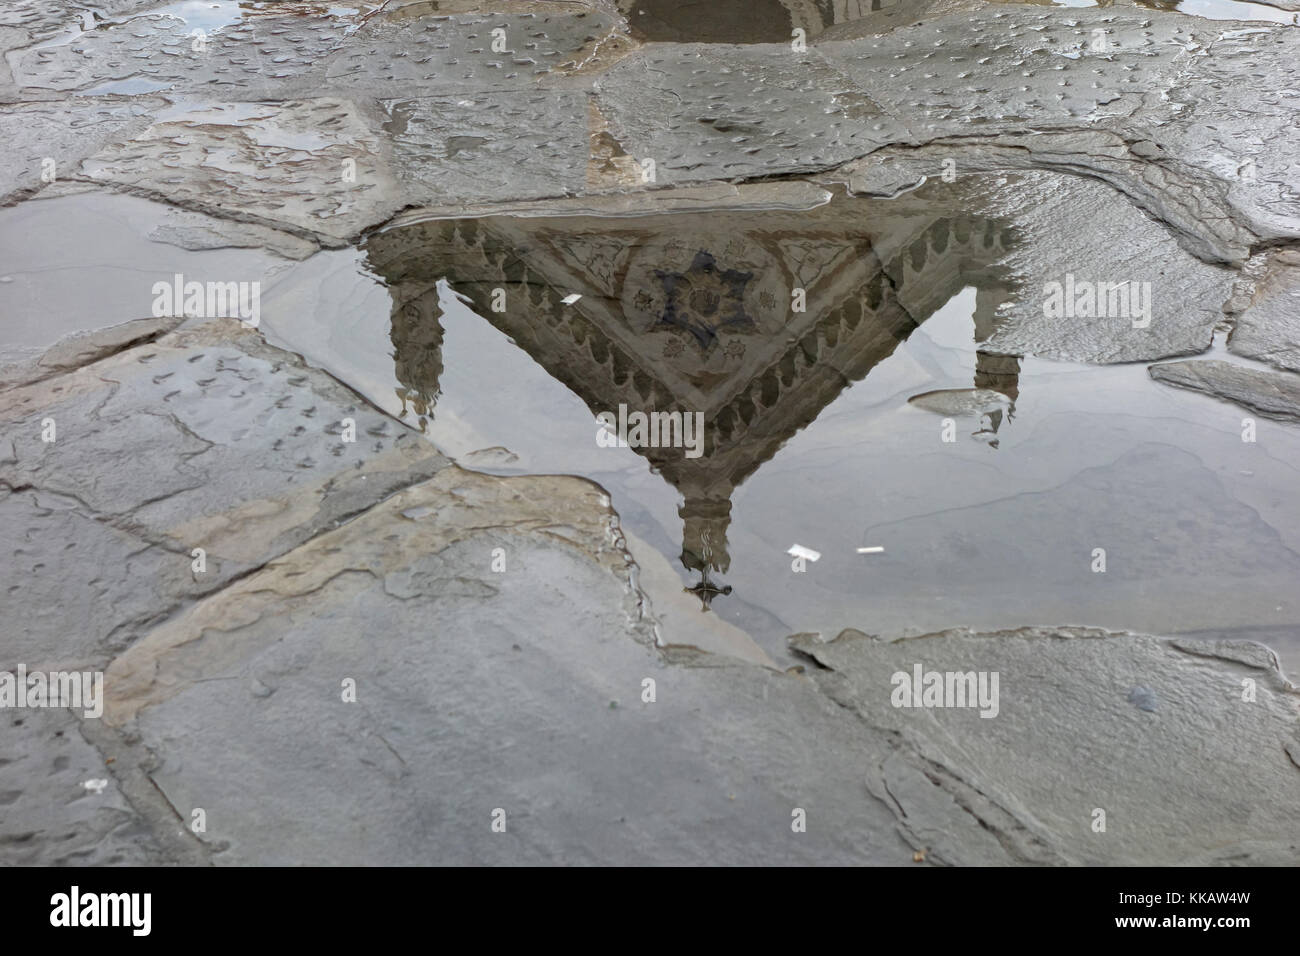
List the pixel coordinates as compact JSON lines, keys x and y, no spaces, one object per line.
{"x":699,"y":312}
{"x":416,"y":334}
{"x":1000,"y":373}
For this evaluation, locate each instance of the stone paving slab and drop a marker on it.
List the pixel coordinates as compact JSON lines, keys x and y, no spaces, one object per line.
{"x":416,"y":52}
{"x":315,"y":167}
{"x":457,"y":668}
{"x":1271,"y":394}
{"x":423,"y":105}
{"x":63,"y":133}
{"x":261,"y":55}
{"x":1121,"y":143}
{"x":1268,"y":328}
{"x":206,"y":438}
{"x":60,"y":804}
{"x":705,"y":112}
{"x":450,"y":603}
{"x":1087,"y":720}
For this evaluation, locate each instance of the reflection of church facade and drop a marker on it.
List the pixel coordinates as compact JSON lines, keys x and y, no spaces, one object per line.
{"x":698,"y":312}
{"x":742,"y":21}
{"x":766,"y":21}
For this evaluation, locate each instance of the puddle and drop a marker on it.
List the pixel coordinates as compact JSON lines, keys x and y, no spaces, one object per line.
{"x":108,"y":262}
{"x":823,"y":429}
{"x":1228,"y":10}
{"x":188,"y":16}
{"x":206,"y":15}
{"x":772,"y":21}
{"x":210,"y":16}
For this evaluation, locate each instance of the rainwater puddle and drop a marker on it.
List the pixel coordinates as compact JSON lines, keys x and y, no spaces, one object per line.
{"x":209,"y":16}
{"x":938,"y":484}
{"x":206,"y":15}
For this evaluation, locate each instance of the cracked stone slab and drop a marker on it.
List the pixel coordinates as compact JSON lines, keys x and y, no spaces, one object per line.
{"x":38,"y":17}
{"x":480,"y":147}
{"x":478,"y":690}
{"x":48,"y":814}
{"x":205,"y":438}
{"x":998,"y":70}
{"x":1161,"y":113}
{"x":43,"y":17}
{"x":289,"y":48}
{"x":266,"y":52}
{"x":1190,"y":748}
{"x":1271,"y":394}
{"x":1231,"y":119}
{"x":195,"y":232}
{"x":468,"y":700}
{"x":417,"y":48}
{"x":314,"y":166}
{"x":1195,"y":207}
{"x":83,"y":348}
{"x":65,"y":133}
{"x":82,"y":587}
{"x":1269,"y":327}
{"x":327,"y":168}
{"x":1057,"y":218}
{"x":704,"y":112}
{"x":714,"y":111}
{"x":1024,"y":83}
{"x":26,"y":22}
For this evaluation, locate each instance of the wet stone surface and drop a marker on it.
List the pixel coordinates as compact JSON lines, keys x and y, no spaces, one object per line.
{"x":707,"y":113}
{"x":1269,"y":327}
{"x":433,"y":54}
{"x":366,"y":566}
{"x":215,"y":442}
{"x":66,"y":133}
{"x":262,"y":52}
{"x":1273,"y":394}
{"x":1024,"y":776}
{"x":63,"y":802}
{"x":498,"y":148}
{"x":281,"y":164}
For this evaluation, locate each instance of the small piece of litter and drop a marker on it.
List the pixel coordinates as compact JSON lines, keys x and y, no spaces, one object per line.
{"x":95,"y":786}
{"x":571,"y":298}
{"x":870,"y":550}
{"x":799,"y":551}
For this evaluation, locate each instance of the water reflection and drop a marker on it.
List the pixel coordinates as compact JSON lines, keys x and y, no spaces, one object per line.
{"x":772,"y":21}
{"x":758,"y":320}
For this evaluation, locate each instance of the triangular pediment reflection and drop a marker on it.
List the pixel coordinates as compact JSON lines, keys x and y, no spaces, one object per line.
{"x":756,"y":319}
